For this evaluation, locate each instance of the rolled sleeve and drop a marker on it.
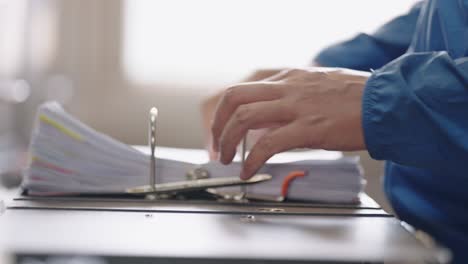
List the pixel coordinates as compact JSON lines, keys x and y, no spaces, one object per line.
{"x":415,"y":109}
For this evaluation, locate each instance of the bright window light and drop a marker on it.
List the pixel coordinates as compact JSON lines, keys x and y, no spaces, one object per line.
{"x":211,"y":41}
{"x":27,"y":35}
{"x":12,"y":33}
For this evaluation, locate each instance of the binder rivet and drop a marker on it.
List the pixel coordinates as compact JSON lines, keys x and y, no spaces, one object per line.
{"x":151,"y":197}
{"x":197,"y":174}
{"x":248,"y":218}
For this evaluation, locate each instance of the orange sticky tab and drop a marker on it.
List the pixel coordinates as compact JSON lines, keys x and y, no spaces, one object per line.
{"x":291,"y":176}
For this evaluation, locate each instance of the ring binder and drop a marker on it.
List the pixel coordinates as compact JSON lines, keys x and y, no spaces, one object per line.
{"x":70,"y":158}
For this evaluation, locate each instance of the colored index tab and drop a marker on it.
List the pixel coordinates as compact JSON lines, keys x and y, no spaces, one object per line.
{"x":60,"y":127}
{"x":288,"y":179}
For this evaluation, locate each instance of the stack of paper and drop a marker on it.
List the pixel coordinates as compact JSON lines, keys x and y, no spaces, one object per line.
{"x":69,"y":157}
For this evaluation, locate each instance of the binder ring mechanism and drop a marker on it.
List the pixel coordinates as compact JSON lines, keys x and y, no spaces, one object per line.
{"x":155,"y":190}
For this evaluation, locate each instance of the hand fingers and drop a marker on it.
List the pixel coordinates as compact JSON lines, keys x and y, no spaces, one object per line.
{"x":250,"y":116}
{"x":241,"y":94}
{"x":279,"y":140}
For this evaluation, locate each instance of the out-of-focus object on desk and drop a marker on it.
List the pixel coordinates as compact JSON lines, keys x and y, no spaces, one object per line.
{"x":12,"y":151}
{"x":12,"y":161}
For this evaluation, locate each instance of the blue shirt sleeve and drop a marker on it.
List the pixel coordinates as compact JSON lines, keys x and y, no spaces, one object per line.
{"x":415,"y":111}
{"x":365,"y":52}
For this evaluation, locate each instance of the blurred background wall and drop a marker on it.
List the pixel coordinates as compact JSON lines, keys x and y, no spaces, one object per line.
{"x":109,"y":61}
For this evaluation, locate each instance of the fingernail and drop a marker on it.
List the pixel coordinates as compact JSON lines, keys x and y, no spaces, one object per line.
{"x":243,"y":175}
{"x":225,"y":161}
{"x":221,"y":158}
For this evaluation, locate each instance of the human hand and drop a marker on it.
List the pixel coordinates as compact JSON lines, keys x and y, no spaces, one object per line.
{"x":208,"y":107}
{"x":311,"y":108}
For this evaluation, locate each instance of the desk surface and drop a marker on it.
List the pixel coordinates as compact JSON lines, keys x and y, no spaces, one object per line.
{"x":153,"y":233}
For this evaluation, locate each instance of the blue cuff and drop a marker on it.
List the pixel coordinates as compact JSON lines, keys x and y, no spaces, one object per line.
{"x":372,"y":119}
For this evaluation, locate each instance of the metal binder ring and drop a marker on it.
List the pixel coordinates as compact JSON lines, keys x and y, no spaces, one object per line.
{"x":152,"y":141}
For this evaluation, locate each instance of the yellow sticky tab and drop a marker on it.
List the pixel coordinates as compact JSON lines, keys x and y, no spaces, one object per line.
{"x":60,"y":127}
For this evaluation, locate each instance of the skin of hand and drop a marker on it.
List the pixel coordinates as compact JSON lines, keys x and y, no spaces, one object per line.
{"x":208,"y":106}
{"x":313,"y":107}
